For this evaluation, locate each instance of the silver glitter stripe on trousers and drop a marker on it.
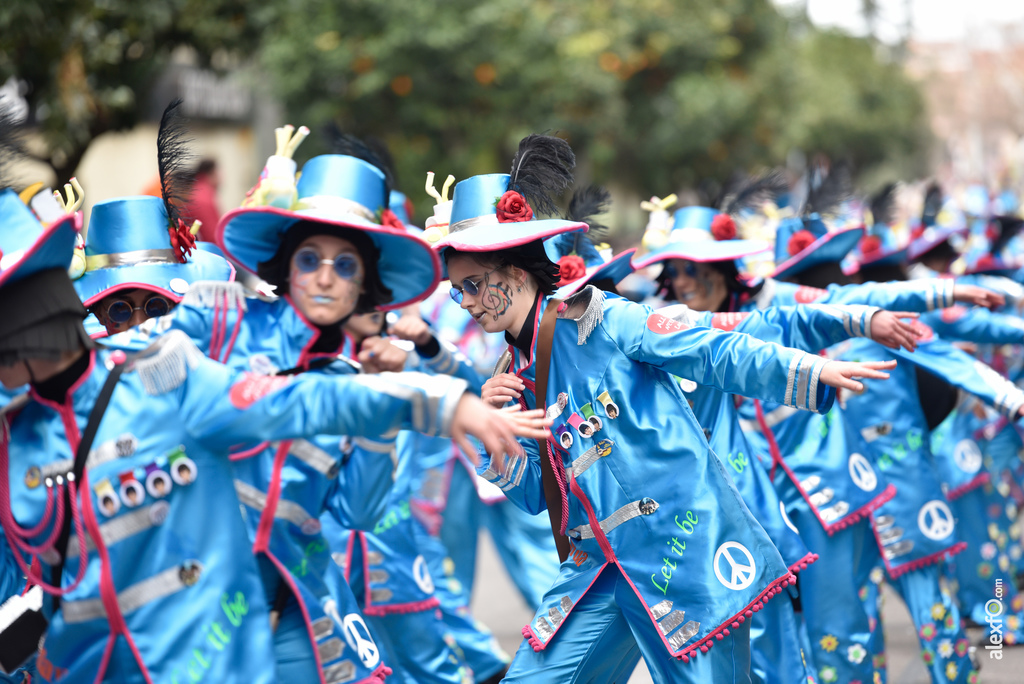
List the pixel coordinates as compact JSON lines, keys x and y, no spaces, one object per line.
{"x":286,"y":510}
{"x":590,"y":457}
{"x":120,"y":528}
{"x":134,"y":597}
{"x":771,"y":419}
{"x":314,"y":457}
{"x":627,"y":512}
{"x":345,"y":671}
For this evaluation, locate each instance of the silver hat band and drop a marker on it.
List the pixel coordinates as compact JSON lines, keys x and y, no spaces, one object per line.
{"x":138,"y":256}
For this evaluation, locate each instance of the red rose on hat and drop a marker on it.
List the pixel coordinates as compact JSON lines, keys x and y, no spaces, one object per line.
{"x":801,"y":240}
{"x":723,"y":227}
{"x":570,"y":268}
{"x":870,"y":244}
{"x":512,"y":208}
{"x":390,"y":219}
{"x":182,"y":241}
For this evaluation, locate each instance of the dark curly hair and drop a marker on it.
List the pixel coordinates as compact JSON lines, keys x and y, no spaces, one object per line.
{"x":276,"y":269}
{"x":530,"y":257}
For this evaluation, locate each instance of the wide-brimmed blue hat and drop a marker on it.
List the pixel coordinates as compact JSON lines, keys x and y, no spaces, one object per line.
{"x":128,"y":246}
{"x":994,"y":250}
{"x":615,"y":269}
{"x":803,"y":242}
{"x":879,"y":247}
{"x":28,"y":246}
{"x":341,"y":191}
{"x":703,"y":251}
{"x":475,"y":225}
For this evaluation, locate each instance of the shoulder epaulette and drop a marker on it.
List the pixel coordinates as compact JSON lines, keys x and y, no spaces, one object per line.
{"x":211,"y":294}
{"x":166,"y":363}
{"x":586,"y":307}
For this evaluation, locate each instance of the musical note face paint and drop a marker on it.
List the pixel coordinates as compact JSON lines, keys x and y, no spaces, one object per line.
{"x":496,"y":298}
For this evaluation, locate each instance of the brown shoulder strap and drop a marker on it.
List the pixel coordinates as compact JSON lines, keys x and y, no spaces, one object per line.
{"x":552,"y":494}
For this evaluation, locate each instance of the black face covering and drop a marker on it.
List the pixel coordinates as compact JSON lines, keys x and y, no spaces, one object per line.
{"x":41,"y":318}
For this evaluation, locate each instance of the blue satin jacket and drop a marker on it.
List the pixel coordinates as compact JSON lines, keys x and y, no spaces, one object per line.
{"x":809,"y":327}
{"x":820,"y":457}
{"x":287,"y":488}
{"x":640,"y":486}
{"x":154,"y":594}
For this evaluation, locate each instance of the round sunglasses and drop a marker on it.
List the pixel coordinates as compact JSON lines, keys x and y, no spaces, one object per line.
{"x":345,"y":265}
{"x":690,"y":269}
{"x":120,"y":311}
{"x":468,"y":287}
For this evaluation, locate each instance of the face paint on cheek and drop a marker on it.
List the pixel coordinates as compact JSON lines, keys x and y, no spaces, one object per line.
{"x":497,"y":299}
{"x":300,"y":281}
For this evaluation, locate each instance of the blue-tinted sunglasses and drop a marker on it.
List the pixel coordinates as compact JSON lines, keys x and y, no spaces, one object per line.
{"x":120,"y":311}
{"x":690,"y":269}
{"x":308,"y":260}
{"x":468,"y":287}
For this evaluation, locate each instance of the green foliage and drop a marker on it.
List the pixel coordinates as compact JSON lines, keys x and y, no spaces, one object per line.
{"x":655,"y":95}
{"x":90,"y":63}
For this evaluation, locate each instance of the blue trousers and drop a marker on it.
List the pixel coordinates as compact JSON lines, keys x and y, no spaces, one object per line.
{"x":604,"y":637}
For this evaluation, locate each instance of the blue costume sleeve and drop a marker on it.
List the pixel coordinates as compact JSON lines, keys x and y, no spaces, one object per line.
{"x":227,"y":408}
{"x":450,"y":361}
{"x":811,"y":327}
{"x":520,"y":478}
{"x":911,"y":295}
{"x":732,"y":362}
{"x":976,"y":325}
{"x":11,"y":579}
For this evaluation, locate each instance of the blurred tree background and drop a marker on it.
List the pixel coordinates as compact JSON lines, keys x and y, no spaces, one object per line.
{"x":655,"y":95}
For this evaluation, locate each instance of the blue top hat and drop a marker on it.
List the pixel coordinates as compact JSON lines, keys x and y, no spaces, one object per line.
{"x":26,"y":245}
{"x":819,"y":246}
{"x":615,"y":269}
{"x":343,"y":191}
{"x":128,"y":247}
{"x":476,"y":227}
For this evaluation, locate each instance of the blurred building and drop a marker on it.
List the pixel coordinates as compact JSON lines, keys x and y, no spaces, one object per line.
{"x":975,"y":95}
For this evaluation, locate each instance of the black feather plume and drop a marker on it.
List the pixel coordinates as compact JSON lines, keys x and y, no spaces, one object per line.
{"x":883,"y":205}
{"x":932,"y":204}
{"x":175,"y":162}
{"x":752,"y":192}
{"x":542,"y":170}
{"x":827,"y":190}
{"x":587,"y":203}
{"x":12,"y":146}
{"x":371,"y":150}
{"x":1009,"y":227}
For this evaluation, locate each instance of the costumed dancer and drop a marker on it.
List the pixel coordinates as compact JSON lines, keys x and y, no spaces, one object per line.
{"x":137,"y":595}
{"x":706,"y":238}
{"x":613,"y":599}
{"x":289,"y":234}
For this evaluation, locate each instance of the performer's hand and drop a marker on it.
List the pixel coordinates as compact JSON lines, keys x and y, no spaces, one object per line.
{"x":841,"y":373}
{"x":412,"y":327}
{"x":889,"y":330}
{"x":378,"y":355}
{"x":501,"y":389}
{"x":978,"y":296}
{"x":497,"y":430}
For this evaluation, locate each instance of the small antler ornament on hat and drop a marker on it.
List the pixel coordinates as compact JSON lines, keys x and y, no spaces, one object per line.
{"x":75,"y":197}
{"x":659,"y":222}
{"x":276,"y":185}
{"x":436,"y":226}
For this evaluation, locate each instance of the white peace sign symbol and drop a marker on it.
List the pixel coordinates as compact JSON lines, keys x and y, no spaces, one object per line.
{"x":941,"y":524}
{"x":421,"y":574}
{"x":967,"y":456}
{"x":741,"y":576}
{"x":362,"y":645}
{"x":862,"y":473}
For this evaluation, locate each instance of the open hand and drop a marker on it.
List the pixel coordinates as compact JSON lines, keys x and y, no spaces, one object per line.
{"x":978,"y":296}
{"x":890,"y":330}
{"x":497,"y":430}
{"x":841,"y":373}
{"x":501,"y":389}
